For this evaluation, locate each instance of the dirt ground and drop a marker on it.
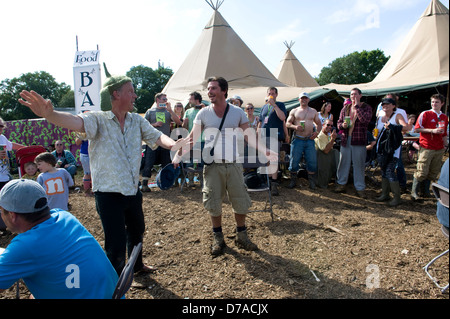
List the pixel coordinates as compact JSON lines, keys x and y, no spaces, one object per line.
{"x":321,"y":245}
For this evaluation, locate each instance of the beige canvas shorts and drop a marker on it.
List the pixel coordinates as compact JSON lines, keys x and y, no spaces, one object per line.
{"x":220,"y":179}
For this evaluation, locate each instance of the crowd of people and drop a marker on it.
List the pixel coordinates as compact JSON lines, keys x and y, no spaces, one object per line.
{"x":176,"y":136}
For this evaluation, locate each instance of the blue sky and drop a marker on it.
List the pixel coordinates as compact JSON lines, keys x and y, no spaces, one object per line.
{"x":41,"y":35}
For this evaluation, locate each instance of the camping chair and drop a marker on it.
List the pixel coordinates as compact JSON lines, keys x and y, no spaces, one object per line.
{"x":441,"y":193}
{"x":126,"y":277}
{"x":254,"y":163}
{"x":186,"y":170}
{"x":27,"y":154}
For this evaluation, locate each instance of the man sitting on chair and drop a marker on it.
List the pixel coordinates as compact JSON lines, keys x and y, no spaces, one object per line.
{"x":65,"y":159}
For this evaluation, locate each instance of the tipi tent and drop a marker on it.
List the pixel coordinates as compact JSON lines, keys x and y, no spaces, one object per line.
{"x":291,"y":72}
{"x":219,"y":51}
{"x":423,"y":57}
{"x":421,"y":61}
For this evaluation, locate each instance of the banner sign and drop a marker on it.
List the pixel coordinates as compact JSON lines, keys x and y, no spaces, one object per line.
{"x":87,"y":81}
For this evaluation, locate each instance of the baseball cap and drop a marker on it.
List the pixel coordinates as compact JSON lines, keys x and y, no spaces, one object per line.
{"x":388,"y":101}
{"x":167,"y":176}
{"x":304,"y":94}
{"x":237,"y":97}
{"x":347,"y":102}
{"x":23,"y":196}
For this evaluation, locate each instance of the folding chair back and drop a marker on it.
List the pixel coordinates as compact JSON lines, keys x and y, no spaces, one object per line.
{"x":27,"y":154}
{"x":255,"y":163}
{"x":441,"y":193}
{"x":126,"y":277}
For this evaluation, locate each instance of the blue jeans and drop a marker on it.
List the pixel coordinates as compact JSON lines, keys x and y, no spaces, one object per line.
{"x":356,"y":155}
{"x":72,"y":169}
{"x":388,"y":171}
{"x":306,"y":148}
{"x":401,"y":174}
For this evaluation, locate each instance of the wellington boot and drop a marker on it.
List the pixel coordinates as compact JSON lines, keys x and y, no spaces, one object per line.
{"x":312,"y":179}
{"x":293,"y":181}
{"x":385,"y":188}
{"x":414,"y":191}
{"x":395,"y":188}
{"x":426,"y":189}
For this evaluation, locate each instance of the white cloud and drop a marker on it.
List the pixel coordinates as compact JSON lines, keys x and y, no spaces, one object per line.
{"x":365,"y":14}
{"x":326,"y":40}
{"x":290,"y":32}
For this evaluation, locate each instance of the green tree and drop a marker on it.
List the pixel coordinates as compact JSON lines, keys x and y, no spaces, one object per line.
{"x":41,"y":82}
{"x":356,"y":67}
{"x":148,"y":82}
{"x":68,"y":100}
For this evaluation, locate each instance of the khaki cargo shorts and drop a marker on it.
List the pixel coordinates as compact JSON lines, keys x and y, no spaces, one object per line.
{"x":220,"y":179}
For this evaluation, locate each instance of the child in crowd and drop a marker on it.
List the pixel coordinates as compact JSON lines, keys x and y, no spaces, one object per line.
{"x":56,"y":181}
{"x":31,"y":171}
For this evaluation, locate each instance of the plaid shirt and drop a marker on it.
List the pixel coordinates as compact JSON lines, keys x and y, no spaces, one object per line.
{"x":359,"y":134}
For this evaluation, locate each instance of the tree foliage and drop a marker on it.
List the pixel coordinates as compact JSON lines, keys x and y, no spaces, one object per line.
{"x":148,"y":83}
{"x":41,"y":82}
{"x":354,"y":68}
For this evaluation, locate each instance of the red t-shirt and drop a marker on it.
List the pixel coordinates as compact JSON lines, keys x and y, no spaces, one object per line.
{"x":430,"y":119}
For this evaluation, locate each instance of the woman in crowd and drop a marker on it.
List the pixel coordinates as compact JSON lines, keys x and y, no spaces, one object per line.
{"x":325,"y":112}
{"x":390,"y":127}
{"x":252,"y":118}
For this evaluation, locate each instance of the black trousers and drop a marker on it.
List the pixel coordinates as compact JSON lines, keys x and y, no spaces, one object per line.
{"x":158,"y":156}
{"x":123,"y":224}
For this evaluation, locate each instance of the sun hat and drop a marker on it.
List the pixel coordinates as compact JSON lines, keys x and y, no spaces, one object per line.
{"x":167,"y":176}
{"x":23,"y":196}
{"x":112,"y":83}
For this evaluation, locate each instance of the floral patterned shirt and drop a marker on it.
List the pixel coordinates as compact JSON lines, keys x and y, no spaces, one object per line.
{"x":115,"y":156}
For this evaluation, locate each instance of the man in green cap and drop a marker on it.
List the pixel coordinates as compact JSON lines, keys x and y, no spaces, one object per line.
{"x":115,"y":142}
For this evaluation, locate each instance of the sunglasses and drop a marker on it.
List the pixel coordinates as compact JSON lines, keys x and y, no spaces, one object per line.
{"x":329,"y":124}
{"x":2,"y":126}
{"x":249,"y":108}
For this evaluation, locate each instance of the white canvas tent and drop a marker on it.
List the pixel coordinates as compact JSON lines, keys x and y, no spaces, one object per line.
{"x":219,"y":51}
{"x":291,"y":72}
